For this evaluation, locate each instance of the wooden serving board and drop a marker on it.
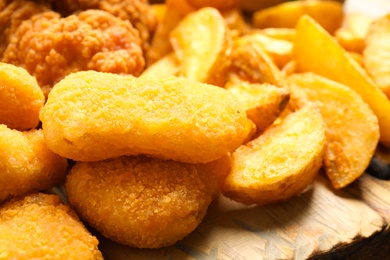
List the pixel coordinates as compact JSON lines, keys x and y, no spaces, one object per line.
{"x":321,"y":223}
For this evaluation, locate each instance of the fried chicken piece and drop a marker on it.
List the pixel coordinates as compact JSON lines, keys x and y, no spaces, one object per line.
{"x":26,"y":164}
{"x":12,"y":14}
{"x":21,"y":98}
{"x":50,"y":47}
{"x":138,"y":12}
{"x":141,"y":202}
{"x":38,"y":226}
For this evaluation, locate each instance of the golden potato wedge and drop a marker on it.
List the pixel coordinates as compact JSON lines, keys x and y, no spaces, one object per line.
{"x":218,"y":4}
{"x":351,"y":35}
{"x":290,"y":68}
{"x":202,"y":43}
{"x":352,"y":130}
{"x":168,"y":65}
{"x":252,"y":6}
{"x":281,"y":51}
{"x":251,"y":63}
{"x":280,"y":163}
{"x":159,"y":10}
{"x":376,"y":56}
{"x":160,"y":46}
{"x":286,"y":15}
{"x":317,"y":51}
{"x":263,"y":103}
{"x":286,"y":34}
{"x":236,"y":22}
{"x":21,"y":98}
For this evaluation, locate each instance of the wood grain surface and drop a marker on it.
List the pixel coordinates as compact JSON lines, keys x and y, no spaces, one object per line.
{"x":321,"y":223}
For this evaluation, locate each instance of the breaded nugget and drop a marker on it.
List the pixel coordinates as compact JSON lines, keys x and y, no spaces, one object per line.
{"x":12,"y":14}
{"x":50,"y":47}
{"x":38,"y":226}
{"x":138,"y":12}
{"x":26,"y":164}
{"x":92,"y":116}
{"x":21,"y":98}
{"x":141,"y":202}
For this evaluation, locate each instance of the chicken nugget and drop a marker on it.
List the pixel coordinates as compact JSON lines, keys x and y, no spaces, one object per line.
{"x":12,"y":14}
{"x":139,"y":201}
{"x":38,"y":226}
{"x":91,"y":116}
{"x":21,"y":98}
{"x":50,"y":47}
{"x":26,"y":164}
{"x":138,"y":12}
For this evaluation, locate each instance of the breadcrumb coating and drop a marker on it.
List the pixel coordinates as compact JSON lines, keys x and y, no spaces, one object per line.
{"x":12,"y":14}
{"x":141,"y":202}
{"x":26,"y":164}
{"x":138,"y":12}
{"x":38,"y":226}
{"x":21,"y":98}
{"x":92,"y":116}
{"x":50,"y":47}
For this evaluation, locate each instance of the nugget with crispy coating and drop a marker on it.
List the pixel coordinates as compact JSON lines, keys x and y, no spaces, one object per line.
{"x":38,"y":226}
{"x":50,"y":47}
{"x":138,"y":12}
{"x":139,"y":201}
{"x":92,"y":116}
{"x":21,"y":98}
{"x":26,"y":164}
{"x":12,"y":14}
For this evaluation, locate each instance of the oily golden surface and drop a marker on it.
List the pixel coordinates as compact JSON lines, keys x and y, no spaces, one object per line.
{"x":50,"y":47}
{"x":21,"y":99}
{"x":141,"y":202}
{"x":376,"y":55}
{"x":352,"y":130}
{"x":26,"y":163}
{"x":218,"y":4}
{"x":316,"y":51}
{"x":38,"y":226}
{"x":280,"y":163}
{"x":286,"y":15}
{"x":206,"y":58}
{"x":92,"y":116}
{"x":263,"y":103}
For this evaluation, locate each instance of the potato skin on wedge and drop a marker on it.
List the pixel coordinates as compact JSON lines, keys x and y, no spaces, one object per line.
{"x":281,"y":162}
{"x":352,"y":129}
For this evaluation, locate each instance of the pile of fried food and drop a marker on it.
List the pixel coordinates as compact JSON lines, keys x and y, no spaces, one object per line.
{"x":147,"y":112}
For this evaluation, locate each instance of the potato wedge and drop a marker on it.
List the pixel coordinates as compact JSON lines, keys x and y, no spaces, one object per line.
{"x":353,"y":32}
{"x":286,"y":15}
{"x":263,"y":103}
{"x":218,"y":4}
{"x":168,"y":65}
{"x":352,"y":130}
{"x":160,"y":46}
{"x":280,"y":163}
{"x":376,"y":56}
{"x":159,"y":10}
{"x":202,"y":43}
{"x":236,"y":22}
{"x":251,"y":63}
{"x":286,"y":34}
{"x":281,"y":51}
{"x":316,"y":51}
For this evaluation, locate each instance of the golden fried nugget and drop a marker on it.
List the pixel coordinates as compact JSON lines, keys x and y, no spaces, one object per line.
{"x":50,"y":47}
{"x":141,"y":202}
{"x":38,"y":226}
{"x":26,"y":164}
{"x":12,"y":15}
{"x":21,"y":99}
{"x":92,"y":116}
{"x":376,"y":55}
